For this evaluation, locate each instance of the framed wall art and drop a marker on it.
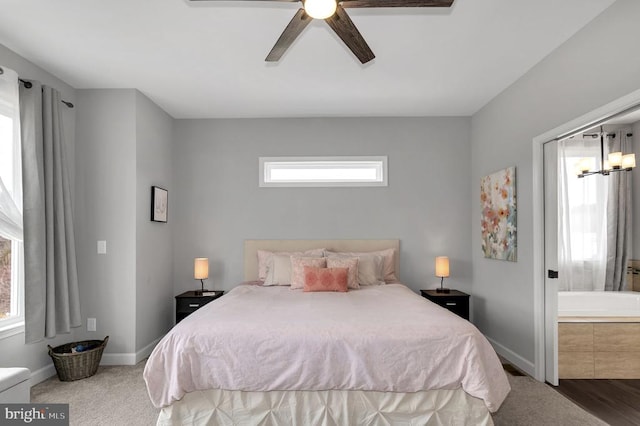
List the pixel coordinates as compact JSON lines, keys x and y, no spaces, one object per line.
{"x":159,"y":204}
{"x":498,"y":222}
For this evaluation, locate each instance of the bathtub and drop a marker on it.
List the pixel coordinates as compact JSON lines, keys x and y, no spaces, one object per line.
{"x":598,"y":335}
{"x":599,"y":304}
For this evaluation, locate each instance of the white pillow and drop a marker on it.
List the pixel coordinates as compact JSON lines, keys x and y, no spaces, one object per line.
{"x":370,"y":267}
{"x":279,"y":270}
{"x":389,"y":267}
{"x":264,"y":258}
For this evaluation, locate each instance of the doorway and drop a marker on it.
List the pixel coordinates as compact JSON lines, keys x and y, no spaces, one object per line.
{"x":545,"y":292}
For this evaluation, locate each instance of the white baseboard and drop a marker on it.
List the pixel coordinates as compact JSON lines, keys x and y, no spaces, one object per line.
{"x":518,"y":361}
{"x":128,"y":358}
{"x":42,"y":374}
{"x":146,"y":351}
{"x":118,"y":359}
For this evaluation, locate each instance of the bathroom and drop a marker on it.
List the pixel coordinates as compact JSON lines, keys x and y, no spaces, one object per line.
{"x":599,"y":252}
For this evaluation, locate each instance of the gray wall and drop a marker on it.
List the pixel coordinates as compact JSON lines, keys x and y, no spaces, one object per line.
{"x":570,"y":82}
{"x":218,"y":203}
{"x":154,"y":249}
{"x":106,"y":210}
{"x":13,"y":350}
{"x":124,"y":148}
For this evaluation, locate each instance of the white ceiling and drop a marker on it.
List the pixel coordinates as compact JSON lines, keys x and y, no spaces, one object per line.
{"x":207,"y":60}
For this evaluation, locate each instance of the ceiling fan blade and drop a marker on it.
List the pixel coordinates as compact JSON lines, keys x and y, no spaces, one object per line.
{"x":293,"y":30}
{"x":347,"y":31}
{"x":396,"y":3}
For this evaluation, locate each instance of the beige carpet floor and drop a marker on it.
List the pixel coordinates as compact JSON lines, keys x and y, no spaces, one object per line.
{"x":117,"y":396}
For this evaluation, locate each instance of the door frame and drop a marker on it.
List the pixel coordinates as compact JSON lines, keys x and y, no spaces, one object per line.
{"x":604,"y":112}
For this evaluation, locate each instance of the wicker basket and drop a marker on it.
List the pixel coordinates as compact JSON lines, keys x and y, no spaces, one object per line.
{"x":75,"y":366}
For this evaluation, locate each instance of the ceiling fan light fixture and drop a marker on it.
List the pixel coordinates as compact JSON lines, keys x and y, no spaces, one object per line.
{"x":320,"y":9}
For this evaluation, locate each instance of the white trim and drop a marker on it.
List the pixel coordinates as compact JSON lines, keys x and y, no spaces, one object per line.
{"x":376,"y":163}
{"x":146,"y":351}
{"x":603,"y":112}
{"x":523,"y":364}
{"x":129,"y":358}
{"x":42,"y":374}
{"x":11,"y":329}
{"x":118,"y":359}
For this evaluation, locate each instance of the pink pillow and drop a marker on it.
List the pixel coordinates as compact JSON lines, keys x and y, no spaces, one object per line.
{"x":350,"y":263}
{"x":325,"y":279}
{"x":297,"y":269}
{"x":265,"y":256}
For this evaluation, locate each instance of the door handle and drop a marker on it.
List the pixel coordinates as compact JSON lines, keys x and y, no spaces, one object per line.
{"x":552,"y":274}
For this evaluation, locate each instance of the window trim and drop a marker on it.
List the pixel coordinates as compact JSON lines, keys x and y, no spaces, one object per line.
{"x":378,"y":163}
{"x":15,"y":324}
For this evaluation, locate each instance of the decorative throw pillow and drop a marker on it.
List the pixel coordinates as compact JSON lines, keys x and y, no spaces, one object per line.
{"x":325,"y":279}
{"x":389,"y":267}
{"x":350,"y":263}
{"x":279,"y":271}
{"x":264,"y":258}
{"x":297,"y":269}
{"x":370,"y":267}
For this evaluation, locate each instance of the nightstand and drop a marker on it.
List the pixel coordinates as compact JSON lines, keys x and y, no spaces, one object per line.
{"x":455,"y":301}
{"x":188,"y":302}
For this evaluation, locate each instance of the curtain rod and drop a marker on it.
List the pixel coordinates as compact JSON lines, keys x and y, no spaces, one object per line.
{"x":611,"y":135}
{"x":29,"y":85}
{"x":593,"y":124}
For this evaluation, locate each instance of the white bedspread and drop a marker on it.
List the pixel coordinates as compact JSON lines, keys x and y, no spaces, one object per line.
{"x":381,"y":338}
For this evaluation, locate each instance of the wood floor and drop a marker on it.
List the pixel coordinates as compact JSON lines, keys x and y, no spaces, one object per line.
{"x":616,"y":402}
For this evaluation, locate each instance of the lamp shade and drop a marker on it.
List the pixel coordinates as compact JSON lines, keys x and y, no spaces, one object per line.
{"x":628,"y":161}
{"x":615,"y":159}
{"x":586,"y":164}
{"x":442,"y":266}
{"x":201,"y":268}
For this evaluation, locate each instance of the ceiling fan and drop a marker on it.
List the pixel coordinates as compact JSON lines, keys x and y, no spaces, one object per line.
{"x":334,"y":14}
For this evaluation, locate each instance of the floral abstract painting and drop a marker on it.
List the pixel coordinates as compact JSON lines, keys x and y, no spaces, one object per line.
{"x":498,"y":197}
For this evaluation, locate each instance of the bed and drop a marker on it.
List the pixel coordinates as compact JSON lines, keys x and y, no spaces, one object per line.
{"x":376,"y":355}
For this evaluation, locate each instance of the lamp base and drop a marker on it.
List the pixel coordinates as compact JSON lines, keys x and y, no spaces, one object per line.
{"x":199,"y":292}
{"x":443,"y":290}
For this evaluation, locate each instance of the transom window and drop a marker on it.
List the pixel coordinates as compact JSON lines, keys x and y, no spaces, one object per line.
{"x":323,"y":171}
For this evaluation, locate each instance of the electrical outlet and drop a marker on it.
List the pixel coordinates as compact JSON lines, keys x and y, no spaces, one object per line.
{"x":102,"y":247}
{"x":91,"y":324}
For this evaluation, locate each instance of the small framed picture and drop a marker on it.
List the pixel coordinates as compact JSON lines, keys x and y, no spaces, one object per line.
{"x":159,"y":204}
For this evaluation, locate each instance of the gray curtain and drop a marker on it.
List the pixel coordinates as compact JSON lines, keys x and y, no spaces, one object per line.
{"x":52,"y":303}
{"x":618,"y":216}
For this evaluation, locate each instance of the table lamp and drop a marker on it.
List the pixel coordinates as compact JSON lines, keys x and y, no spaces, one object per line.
{"x":442,"y":271}
{"x":201,"y":272}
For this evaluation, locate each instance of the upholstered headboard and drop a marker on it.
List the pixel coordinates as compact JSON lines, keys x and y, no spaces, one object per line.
{"x":251,"y":248}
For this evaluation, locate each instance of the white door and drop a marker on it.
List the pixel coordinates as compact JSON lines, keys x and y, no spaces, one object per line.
{"x":551,"y":261}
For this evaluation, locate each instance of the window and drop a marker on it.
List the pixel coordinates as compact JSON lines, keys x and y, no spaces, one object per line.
{"x":11,"y":251}
{"x":586,"y":206}
{"x":323,"y":171}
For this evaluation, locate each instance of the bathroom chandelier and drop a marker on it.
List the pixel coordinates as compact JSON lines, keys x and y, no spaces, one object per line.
{"x":615,"y":162}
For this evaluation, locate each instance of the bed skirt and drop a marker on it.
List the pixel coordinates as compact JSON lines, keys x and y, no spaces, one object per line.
{"x":334,"y":407}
